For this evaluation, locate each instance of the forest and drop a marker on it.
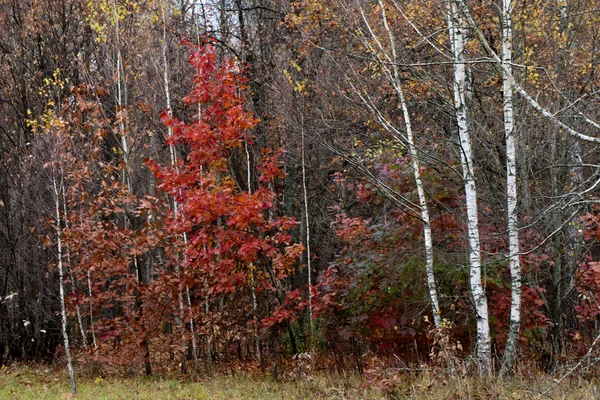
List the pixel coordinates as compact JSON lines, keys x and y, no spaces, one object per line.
{"x":369,"y":186}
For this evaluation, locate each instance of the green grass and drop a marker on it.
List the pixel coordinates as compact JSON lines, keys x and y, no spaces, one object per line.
{"x":47,"y":383}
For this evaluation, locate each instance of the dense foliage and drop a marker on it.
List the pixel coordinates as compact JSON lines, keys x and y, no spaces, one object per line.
{"x":238,"y":181}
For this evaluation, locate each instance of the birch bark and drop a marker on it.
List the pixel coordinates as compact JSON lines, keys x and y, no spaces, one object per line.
{"x":121,"y":99}
{"x":510,"y":351}
{"x":89,"y":282}
{"x":252,"y":282}
{"x":458,"y":41}
{"x":394,"y":77}
{"x":307,"y":238}
{"x":63,"y":309}
{"x":68,"y":251}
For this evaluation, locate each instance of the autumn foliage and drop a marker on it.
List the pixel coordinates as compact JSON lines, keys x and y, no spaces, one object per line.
{"x":234,"y":244}
{"x":202,"y":258}
{"x":242,"y":182}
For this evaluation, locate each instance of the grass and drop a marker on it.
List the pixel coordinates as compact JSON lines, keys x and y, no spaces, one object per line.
{"x":47,"y":383}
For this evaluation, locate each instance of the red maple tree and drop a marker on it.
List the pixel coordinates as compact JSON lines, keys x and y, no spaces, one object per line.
{"x":234,"y":242}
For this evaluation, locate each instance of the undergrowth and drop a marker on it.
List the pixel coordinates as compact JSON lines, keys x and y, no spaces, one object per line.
{"x":42,"y":382}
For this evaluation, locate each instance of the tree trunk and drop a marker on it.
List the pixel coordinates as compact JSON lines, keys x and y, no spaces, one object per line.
{"x":394,"y":77}
{"x":63,"y":309}
{"x":510,"y":351}
{"x":89,"y":282}
{"x":307,"y":231}
{"x":173,"y":155}
{"x":252,"y":283}
{"x":77,"y":309}
{"x":458,"y":41}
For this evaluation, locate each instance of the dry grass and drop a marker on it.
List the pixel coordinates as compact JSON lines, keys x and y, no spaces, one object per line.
{"x":434,"y":387}
{"x":46,"y":383}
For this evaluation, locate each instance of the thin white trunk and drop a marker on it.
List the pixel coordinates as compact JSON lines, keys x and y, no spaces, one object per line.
{"x":510,"y":352}
{"x":63,"y":309}
{"x":121,"y":89}
{"x":252,"y":284}
{"x":137,"y":269}
{"x":81,"y":330}
{"x":416,"y":161}
{"x":307,"y":238}
{"x":173,"y":154}
{"x":192,"y":327}
{"x":121,"y":102}
{"x":396,"y":81}
{"x":458,"y":42}
{"x":180,"y":322}
{"x":77,"y":310}
{"x":208,"y":341}
{"x":89,"y":281}
{"x":255,"y":322}
{"x":427,"y":236}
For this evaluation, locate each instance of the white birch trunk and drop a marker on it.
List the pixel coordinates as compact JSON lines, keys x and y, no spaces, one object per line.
{"x":81,"y":329}
{"x":252,"y":284}
{"x":121,"y":88}
{"x":63,"y":309}
{"x":173,"y":154}
{"x":208,"y":341}
{"x":121,"y":102}
{"x":458,"y":42}
{"x":192,"y":327}
{"x":427,"y":236}
{"x":395,"y":80}
{"x":77,"y":309}
{"x":89,"y":281}
{"x":510,"y":351}
{"x":307,"y":238}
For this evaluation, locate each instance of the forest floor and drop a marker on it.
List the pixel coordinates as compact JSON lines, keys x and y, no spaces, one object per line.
{"x":48,"y":383}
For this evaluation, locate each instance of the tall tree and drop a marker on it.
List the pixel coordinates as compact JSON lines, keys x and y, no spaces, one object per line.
{"x":510,"y":350}
{"x":232,"y":241}
{"x":457,"y":31}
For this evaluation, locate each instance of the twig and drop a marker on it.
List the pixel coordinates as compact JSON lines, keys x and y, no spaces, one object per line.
{"x":585,"y":357}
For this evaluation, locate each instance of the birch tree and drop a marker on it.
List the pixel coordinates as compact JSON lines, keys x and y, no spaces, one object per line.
{"x":173,"y":159}
{"x":121,"y":98}
{"x":458,"y":39}
{"x":510,"y":350}
{"x":68,"y":254}
{"x":510,"y":84}
{"x":383,"y":51}
{"x":56,"y":187}
{"x":416,"y":167}
{"x":464,"y":12}
{"x":307,"y":235}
